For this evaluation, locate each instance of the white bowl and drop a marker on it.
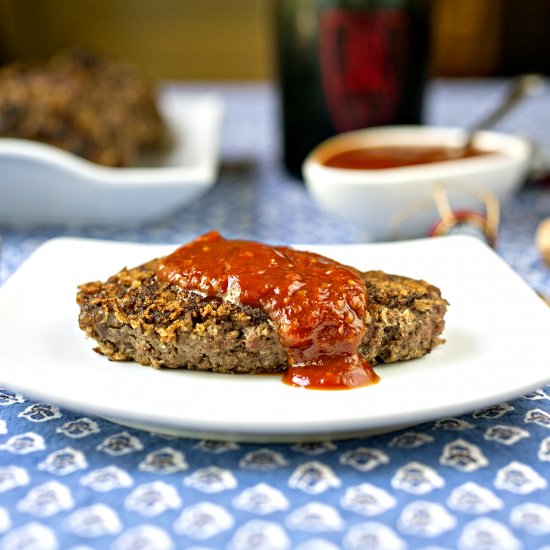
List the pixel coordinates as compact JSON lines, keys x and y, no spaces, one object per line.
{"x":44,"y":185}
{"x":397,"y":203}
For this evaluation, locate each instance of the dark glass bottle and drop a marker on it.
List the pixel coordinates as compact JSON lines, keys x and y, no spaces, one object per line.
{"x":348,"y":64}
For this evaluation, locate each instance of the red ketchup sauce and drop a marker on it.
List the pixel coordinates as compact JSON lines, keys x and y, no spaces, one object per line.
{"x":379,"y":158}
{"x":316,"y":303}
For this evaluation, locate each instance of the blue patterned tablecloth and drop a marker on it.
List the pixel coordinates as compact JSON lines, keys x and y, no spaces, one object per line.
{"x":481,"y":481}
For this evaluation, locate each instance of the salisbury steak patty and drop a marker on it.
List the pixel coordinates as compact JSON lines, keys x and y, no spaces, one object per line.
{"x":95,"y":107}
{"x":133,"y":316}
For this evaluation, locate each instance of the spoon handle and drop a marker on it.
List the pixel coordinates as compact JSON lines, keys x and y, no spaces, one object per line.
{"x":524,"y":85}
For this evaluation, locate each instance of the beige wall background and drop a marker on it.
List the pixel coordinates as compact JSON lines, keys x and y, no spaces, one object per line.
{"x":183,"y":39}
{"x":234,"y":39}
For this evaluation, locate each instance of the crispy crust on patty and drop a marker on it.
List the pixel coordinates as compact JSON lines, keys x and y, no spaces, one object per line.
{"x":133,"y":316}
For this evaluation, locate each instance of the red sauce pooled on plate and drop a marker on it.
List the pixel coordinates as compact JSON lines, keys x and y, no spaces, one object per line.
{"x":379,"y":158}
{"x":316,"y":303}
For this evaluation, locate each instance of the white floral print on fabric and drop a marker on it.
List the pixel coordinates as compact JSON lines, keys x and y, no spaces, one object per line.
{"x":453,"y":424}
{"x":536,"y":395}
{"x":425,"y":519}
{"x":5,"y":522}
{"x":31,"y":536}
{"x":463,"y":456}
{"x":314,"y":448}
{"x":211,"y":479}
{"x":315,"y":517}
{"x":12,"y":476}
{"x":144,"y":537}
{"x":364,"y":459}
{"x":313,"y":478}
{"x":152,"y":499}
{"x":532,"y":517}
{"x":472,"y":498}
{"x":543,"y":453}
{"x":496,"y":411}
{"x":120,"y":444}
{"x":203,"y":520}
{"x":23,"y":444}
{"x":417,"y":478}
{"x":367,"y":500}
{"x":538,"y":416}
{"x":64,"y":461}
{"x":263,"y":459}
{"x":94,"y":521}
{"x":507,"y":435}
{"x":47,"y":500}
{"x":216,"y":447}
{"x":107,"y":478}
{"x":487,"y":534}
{"x":411,"y":440}
{"x":8,"y":398}
{"x":374,"y":536}
{"x":519,"y":478}
{"x":260,"y":535}
{"x":41,"y":412}
{"x":77,"y":429}
{"x":261,"y":499}
{"x":164,"y":461}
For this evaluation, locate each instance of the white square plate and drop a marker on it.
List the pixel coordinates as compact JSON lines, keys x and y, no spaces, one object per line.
{"x":497,"y":332}
{"x":44,"y":185}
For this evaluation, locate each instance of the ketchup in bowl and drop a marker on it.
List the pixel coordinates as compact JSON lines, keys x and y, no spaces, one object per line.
{"x":397,"y":156}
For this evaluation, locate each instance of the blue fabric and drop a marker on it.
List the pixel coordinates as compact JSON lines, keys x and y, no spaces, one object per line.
{"x":476,"y":482}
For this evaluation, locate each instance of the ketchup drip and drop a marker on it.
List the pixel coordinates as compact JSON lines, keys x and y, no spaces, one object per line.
{"x":316,"y":303}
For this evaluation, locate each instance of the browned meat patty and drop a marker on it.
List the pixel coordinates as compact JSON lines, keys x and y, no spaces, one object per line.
{"x":133,"y":316}
{"x":94,"y":107}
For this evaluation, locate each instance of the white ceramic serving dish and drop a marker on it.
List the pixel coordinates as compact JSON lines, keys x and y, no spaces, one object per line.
{"x":379,"y":200}
{"x":44,"y":185}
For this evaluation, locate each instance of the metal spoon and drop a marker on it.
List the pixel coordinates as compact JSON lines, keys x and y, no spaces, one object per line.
{"x":523,"y":86}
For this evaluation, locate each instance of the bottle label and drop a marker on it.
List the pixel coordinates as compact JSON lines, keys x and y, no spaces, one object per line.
{"x":363,"y":58}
